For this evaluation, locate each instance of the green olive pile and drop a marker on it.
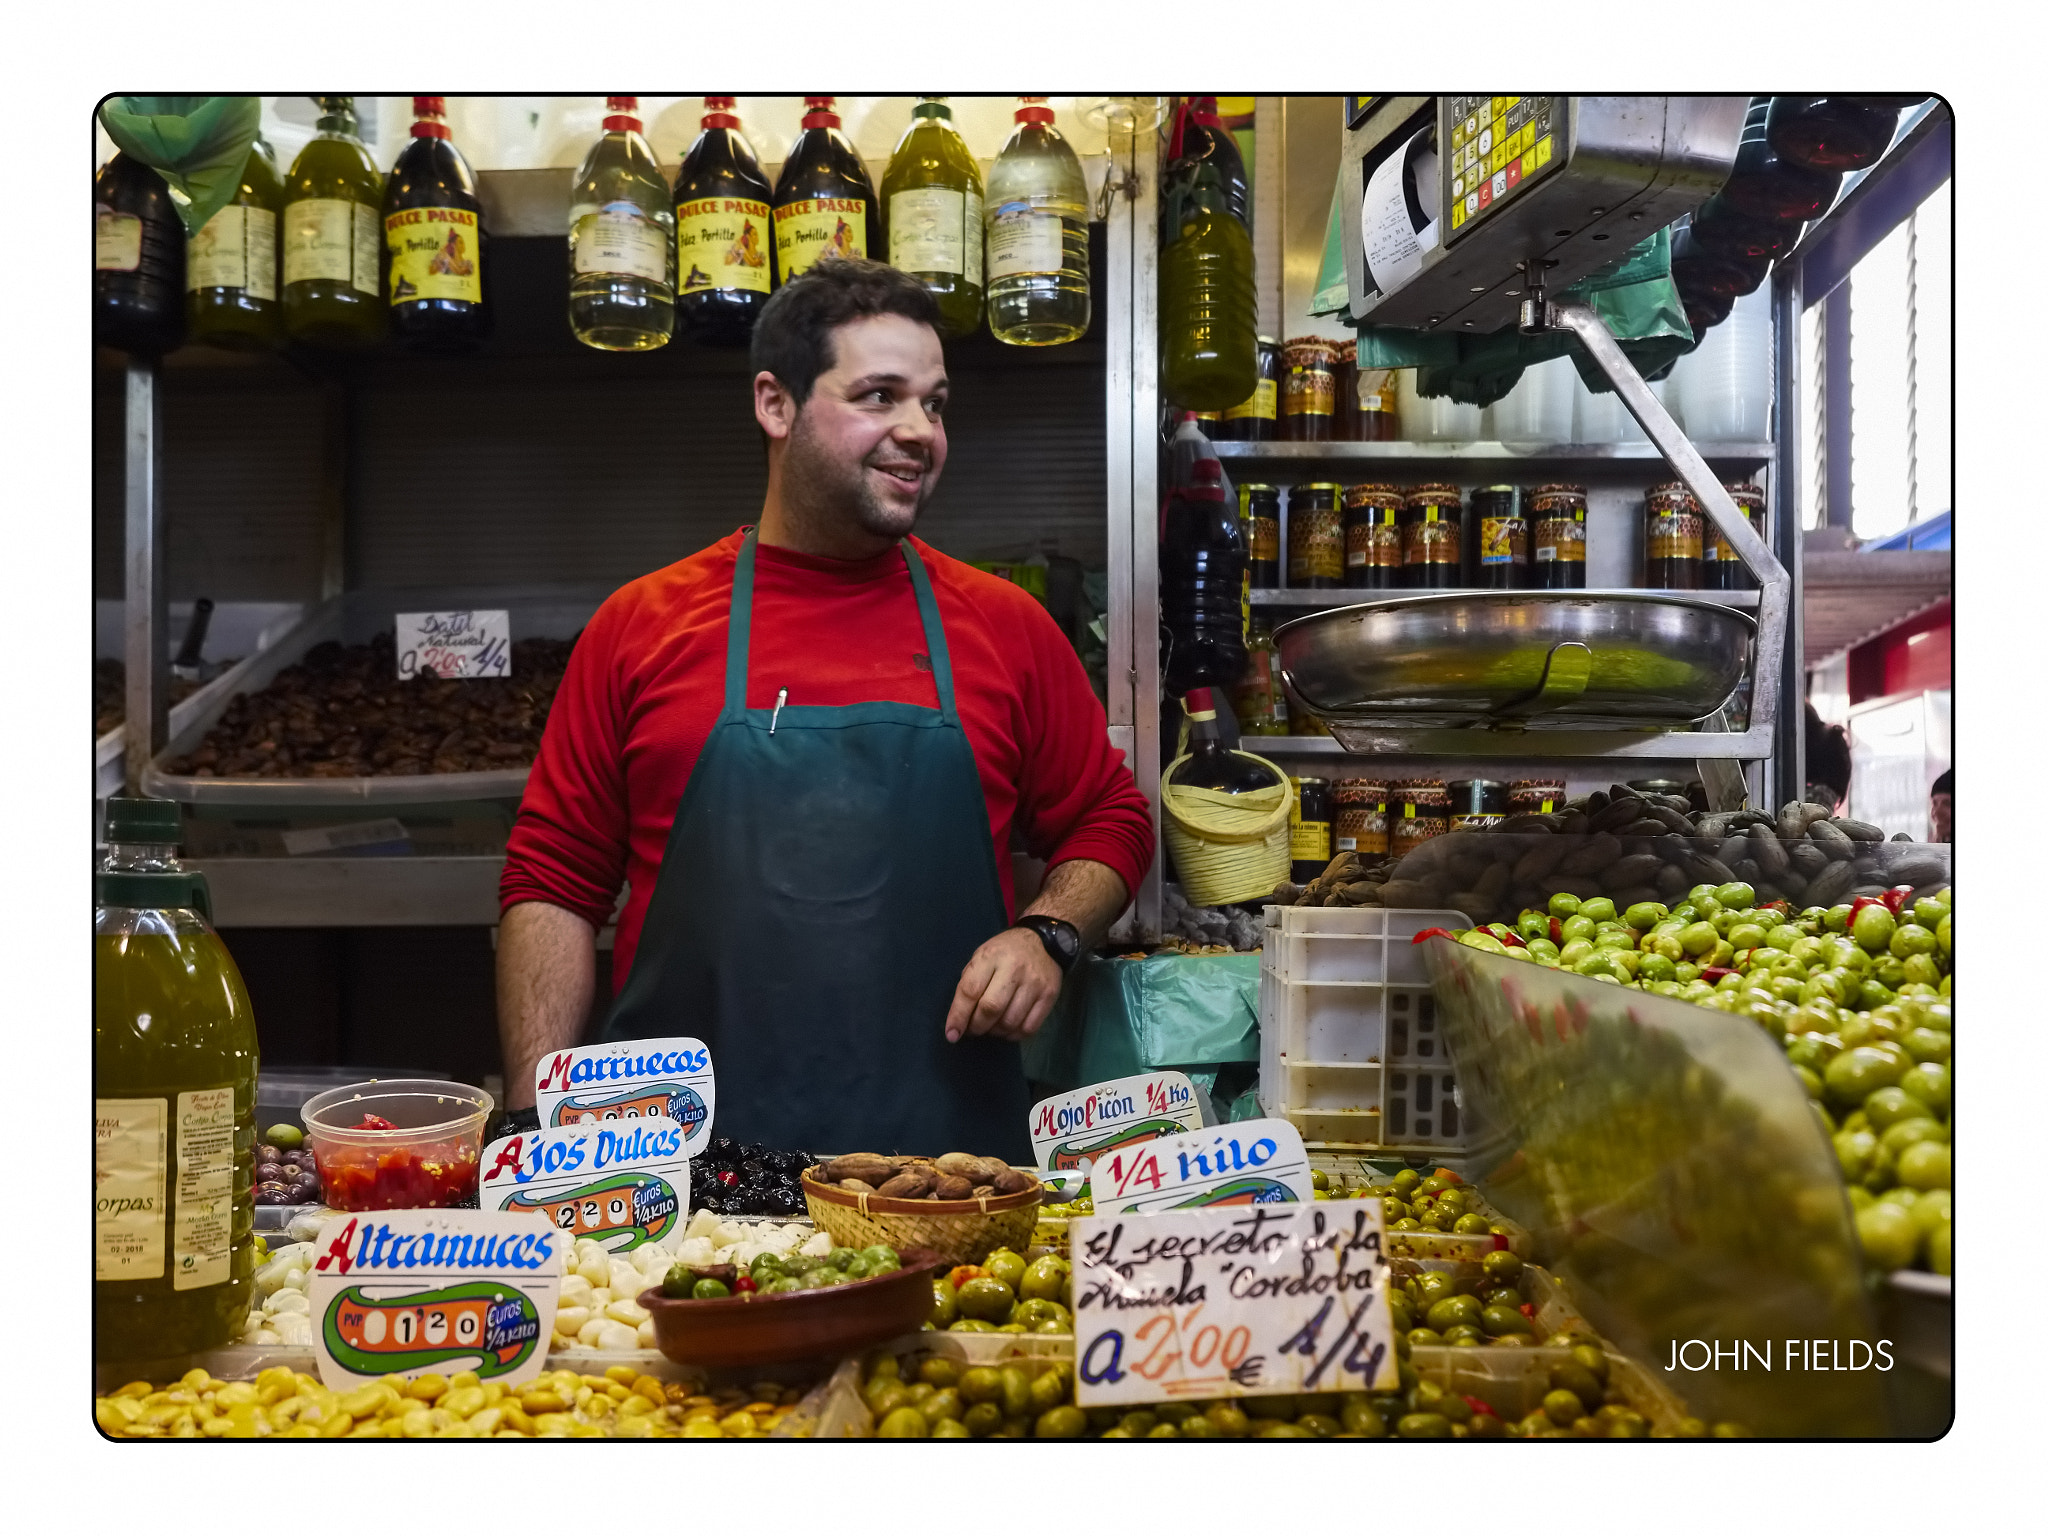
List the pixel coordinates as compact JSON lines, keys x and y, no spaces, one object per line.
{"x":1859,"y":996}
{"x":772,"y":1273}
{"x":1439,"y":1307}
{"x":1413,"y":1202}
{"x":1005,"y":1293}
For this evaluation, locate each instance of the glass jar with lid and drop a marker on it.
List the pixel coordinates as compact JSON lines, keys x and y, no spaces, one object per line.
{"x":1372,"y":536}
{"x":1258,"y":508}
{"x":1315,"y":536}
{"x":1432,"y":540}
{"x":1308,"y":832}
{"x":1308,"y":390}
{"x":1721,"y":569}
{"x":1255,"y":419}
{"x":1359,"y":823}
{"x":1673,"y":538}
{"x":1501,"y":550}
{"x":1417,"y":810}
{"x":1557,"y":537}
{"x":1344,"y":427}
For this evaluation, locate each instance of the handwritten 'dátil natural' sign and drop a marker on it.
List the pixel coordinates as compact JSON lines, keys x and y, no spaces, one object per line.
{"x":1231,"y":1302}
{"x":464,"y":642}
{"x":1073,"y":1129}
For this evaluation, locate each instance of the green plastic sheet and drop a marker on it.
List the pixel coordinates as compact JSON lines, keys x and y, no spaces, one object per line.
{"x":1117,"y":1018}
{"x":198,"y":144}
{"x":1634,"y":295}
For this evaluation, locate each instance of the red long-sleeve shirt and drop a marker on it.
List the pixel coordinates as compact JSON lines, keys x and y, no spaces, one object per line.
{"x":646,"y":682}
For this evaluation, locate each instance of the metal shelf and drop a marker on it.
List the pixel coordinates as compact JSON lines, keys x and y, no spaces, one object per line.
{"x":1345,"y":597}
{"x":1560,"y":455}
{"x":417,"y":892}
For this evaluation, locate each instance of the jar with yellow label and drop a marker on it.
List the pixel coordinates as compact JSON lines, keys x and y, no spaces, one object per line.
{"x":1417,"y":810}
{"x":1535,"y":797}
{"x":1308,"y":829}
{"x":1501,"y":558}
{"x":1379,"y":407}
{"x":1258,"y":700}
{"x":1255,"y":419}
{"x":1721,"y":569}
{"x":1673,"y":538}
{"x":1372,"y":536}
{"x":1359,"y":824}
{"x":1315,"y":536}
{"x":1258,"y":508}
{"x":1432,"y":545}
{"x":1557,"y":537}
{"x":1308,"y":390}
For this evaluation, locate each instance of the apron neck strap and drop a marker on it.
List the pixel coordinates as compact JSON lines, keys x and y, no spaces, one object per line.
{"x":739,"y":629}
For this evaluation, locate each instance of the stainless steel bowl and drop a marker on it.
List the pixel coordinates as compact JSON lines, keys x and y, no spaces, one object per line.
{"x":1576,"y":657}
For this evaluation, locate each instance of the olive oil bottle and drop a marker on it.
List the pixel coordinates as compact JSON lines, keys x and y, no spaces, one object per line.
{"x":622,"y":248}
{"x":231,"y":265}
{"x":333,"y":248}
{"x":932,"y":194}
{"x":824,"y":201}
{"x":434,"y":239}
{"x":725,"y":246}
{"x":138,"y":260}
{"x":1037,"y":227}
{"x":174,"y":1103}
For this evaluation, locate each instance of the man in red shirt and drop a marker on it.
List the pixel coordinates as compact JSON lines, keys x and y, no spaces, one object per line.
{"x":804,"y":750}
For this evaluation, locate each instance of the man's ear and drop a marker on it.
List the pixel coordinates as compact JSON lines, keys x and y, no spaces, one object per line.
{"x":774,"y":407}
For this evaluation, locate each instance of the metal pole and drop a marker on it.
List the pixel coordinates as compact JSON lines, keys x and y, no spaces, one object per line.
{"x":1113,"y":294}
{"x":1788,"y":524}
{"x":1837,"y":431}
{"x":145,"y":644}
{"x":1142,"y":190}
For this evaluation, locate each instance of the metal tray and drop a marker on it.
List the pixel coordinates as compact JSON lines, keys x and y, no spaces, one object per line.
{"x":1579,"y":658}
{"x":536,"y":613}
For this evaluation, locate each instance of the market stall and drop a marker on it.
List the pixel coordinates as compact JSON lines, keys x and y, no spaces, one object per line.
{"x":1561,"y":1052}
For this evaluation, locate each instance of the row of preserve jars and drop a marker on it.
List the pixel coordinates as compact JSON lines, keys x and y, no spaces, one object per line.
{"x":1311,"y":391}
{"x":1373,"y":817}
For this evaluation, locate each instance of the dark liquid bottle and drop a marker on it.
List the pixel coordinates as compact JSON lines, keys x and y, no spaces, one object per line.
{"x":1204,"y":581}
{"x":138,"y":260}
{"x":824,"y":200}
{"x":1211,"y":763}
{"x":1712,"y":274}
{"x":434,"y":234}
{"x":1830,"y":133}
{"x":724,"y":240}
{"x":1765,"y":185}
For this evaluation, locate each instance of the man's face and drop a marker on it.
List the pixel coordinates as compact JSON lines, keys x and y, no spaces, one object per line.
{"x":868,"y":444}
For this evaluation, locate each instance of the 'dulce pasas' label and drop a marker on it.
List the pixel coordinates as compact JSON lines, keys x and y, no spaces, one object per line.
{"x":412,"y":1292}
{"x":630,"y":1080}
{"x":620,"y":1183}
{"x":1226,"y":1303}
{"x":463,"y":642}
{"x":809,"y":230}
{"x":1072,"y":1130}
{"x":722,"y":242}
{"x":1250,"y":1162}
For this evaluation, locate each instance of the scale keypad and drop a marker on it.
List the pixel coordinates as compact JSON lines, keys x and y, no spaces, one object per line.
{"x":1497,"y":143}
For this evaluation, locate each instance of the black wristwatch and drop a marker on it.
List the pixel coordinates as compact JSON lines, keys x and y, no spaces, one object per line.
{"x":1062,"y":940}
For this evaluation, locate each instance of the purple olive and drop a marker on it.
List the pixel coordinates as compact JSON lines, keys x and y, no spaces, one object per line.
{"x":267,"y":1153}
{"x":272,"y":1193}
{"x":269,"y":1173}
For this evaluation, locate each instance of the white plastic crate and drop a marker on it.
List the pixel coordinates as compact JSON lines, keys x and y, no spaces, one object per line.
{"x":1348,"y":1045}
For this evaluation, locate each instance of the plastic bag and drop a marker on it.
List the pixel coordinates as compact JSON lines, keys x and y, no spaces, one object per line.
{"x":1118,"y":1018}
{"x":198,"y":144}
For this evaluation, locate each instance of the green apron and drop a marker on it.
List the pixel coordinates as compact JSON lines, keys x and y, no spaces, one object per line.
{"x":828,"y":874}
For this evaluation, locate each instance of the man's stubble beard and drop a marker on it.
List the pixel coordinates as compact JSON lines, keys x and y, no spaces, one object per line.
{"x":824,"y":494}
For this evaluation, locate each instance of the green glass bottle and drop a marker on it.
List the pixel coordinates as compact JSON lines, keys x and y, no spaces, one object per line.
{"x":231,"y":265}
{"x":622,"y":241}
{"x":1208,"y":303}
{"x":174,"y":1103}
{"x":333,"y":236}
{"x":1037,"y":235}
{"x":931,"y":197}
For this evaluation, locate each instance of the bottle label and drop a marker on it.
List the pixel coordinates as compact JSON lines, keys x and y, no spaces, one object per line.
{"x":1503,"y":541}
{"x":203,"y":1225}
{"x":928,"y":231}
{"x":722,"y":242}
{"x":620,"y":241}
{"x":1432,"y":539}
{"x":1311,"y":392}
{"x":1372,"y":544}
{"x":1023,"y":242}
{"x":367,"y":243}
{"x":435,"y":254}
{"x":808,"y":231}
{"x":1265,"y":537}
{"x":1315,"y":544}
{"x":1560,"y":538}
{"x":128,"y":1144}
{"x":1674,"y":536}
{"x":970,"y":236}
{"x":1309,"y":840}
{"x":1263,"y":404}
{"x":116,"y":241}
{"x":320,"y":242}
{"x":236,"y":249}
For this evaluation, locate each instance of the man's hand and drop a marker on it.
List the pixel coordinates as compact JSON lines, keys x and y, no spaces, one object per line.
{"x":1006,"y":990}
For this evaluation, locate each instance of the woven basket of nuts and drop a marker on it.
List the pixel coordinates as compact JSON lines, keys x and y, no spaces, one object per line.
{"x":962,"y":1206}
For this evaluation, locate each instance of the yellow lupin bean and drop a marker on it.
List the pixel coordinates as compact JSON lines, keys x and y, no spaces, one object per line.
{"x":486,"y":1421}
{"x":463,"y":1401}
{"x":428,"y":1387}
{"x":464,"y":1379}
{"x":360,"y":1403}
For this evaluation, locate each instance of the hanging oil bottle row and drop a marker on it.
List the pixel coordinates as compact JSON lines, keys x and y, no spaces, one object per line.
{"x":299,"y":257}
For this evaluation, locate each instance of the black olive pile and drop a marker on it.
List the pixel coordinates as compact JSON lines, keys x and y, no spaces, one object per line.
{"x":750,"y":1180}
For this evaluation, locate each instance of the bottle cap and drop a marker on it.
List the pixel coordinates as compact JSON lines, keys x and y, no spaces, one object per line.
{"x":622,"y":114}
{"x":1033,"y":110}
{"x":1200,"y":704}
{"x":1203,"y":110}
{"x":931,"y":106}
{"x":718,"y":112}
{"x":819,"y":113}
{"x":427,"y":113}
{"x":131,"y":819}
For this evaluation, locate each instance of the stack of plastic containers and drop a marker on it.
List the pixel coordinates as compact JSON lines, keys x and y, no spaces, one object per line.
{"x":1726,"y":381}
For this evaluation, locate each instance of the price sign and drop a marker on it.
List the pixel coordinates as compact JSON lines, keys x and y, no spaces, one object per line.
{"x":630,"y":1080}
{"x":621,"y":1184}
{"x":1232,"y":1303}
{"x":1074,"y":1129}
{"x":464,"y":642}
{"x":1249,"y":1162}
{"x":410,"y":1293}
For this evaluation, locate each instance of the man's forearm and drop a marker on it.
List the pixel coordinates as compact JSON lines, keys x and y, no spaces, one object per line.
{"x":1082,"y":892}
{"x":547,"y":973}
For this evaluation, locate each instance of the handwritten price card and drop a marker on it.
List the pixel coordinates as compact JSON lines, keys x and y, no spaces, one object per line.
{"x":467,"y":642}
{"x":1251,"y":1162}
{"x":1231,"y":1302}
{"x":1074,"y":1129}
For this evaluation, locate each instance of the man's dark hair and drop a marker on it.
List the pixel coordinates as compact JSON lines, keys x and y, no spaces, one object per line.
{"x":1827,"y":754}
{"x":793,"y":337}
